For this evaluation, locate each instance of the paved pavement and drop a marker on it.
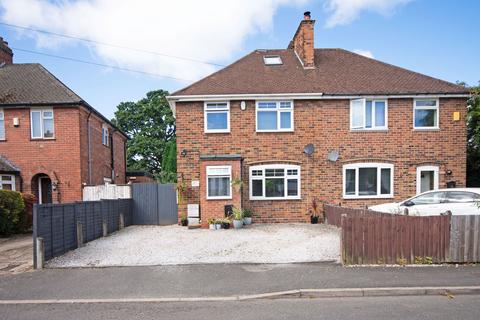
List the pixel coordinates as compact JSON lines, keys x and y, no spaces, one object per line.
{"x":392,"y":308}
{"x":16,"y":254}
{"x":221,"y":280}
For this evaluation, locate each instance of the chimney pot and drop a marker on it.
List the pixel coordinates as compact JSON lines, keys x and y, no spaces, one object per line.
{"x":306,"y":15}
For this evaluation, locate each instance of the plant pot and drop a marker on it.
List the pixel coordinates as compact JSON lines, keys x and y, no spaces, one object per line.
{"x":247,"y":220}
{"x":313,"y":219}
{"x":226,"y":225}
{"x":237,"y":224}
{"x":211,"y":227}
{"x":184,"y":223}
{"x":218,"y":226}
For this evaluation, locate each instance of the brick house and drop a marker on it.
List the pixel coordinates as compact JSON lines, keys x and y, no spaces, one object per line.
{"x":301,"y":123}
{"x":52,"y":142}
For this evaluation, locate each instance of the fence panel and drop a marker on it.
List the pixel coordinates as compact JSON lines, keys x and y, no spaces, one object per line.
{"x":465,"y":239}
{"x":106,"y":191}
{"x":154,"y":204}
{"x":57,"y":223}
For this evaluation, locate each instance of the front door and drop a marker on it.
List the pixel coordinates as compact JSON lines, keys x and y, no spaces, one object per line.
{"x":44,"y":190}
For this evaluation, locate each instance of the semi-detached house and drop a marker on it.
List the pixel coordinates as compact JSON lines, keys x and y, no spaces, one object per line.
{"x":301,"y":123}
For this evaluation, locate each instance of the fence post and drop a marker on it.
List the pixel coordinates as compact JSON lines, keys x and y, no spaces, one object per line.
{"x":121,"y":222}
{"x":342,"y":240}
{"x":79,"y":234}
{"x":40,"y":253}
{"x":104,"y":227}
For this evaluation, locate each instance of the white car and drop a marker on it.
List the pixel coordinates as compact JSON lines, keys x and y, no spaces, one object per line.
{"x":459,"y":201}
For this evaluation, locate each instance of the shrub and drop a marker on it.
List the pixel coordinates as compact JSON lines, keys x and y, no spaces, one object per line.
{"x":29,"y":200}
{"x":12,"y":212}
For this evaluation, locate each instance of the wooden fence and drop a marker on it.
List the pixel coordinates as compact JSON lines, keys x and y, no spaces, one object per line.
{"x":369,"y":237}
{"x":107,"y":191}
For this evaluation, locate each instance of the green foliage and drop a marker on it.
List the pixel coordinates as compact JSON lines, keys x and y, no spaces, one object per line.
{"x":247,"y":213}
{"x":473,"y":138}
{"x":237,"y":214}
{"x":12,"y":212}
{"x":150,"y":125}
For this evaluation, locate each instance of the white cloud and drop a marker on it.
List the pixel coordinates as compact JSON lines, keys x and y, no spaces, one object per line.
{"x":364,"y":53}
{"x":207,"y":30}
{"x":345,"y":11}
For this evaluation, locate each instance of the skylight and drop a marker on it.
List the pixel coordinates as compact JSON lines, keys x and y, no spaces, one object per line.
{"x":272,"y":60}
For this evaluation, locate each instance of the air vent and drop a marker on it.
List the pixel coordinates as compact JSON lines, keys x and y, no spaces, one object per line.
{"x":272,"y":60}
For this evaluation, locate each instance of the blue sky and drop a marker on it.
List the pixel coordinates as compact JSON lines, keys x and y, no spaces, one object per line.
{"x":438,"y":38}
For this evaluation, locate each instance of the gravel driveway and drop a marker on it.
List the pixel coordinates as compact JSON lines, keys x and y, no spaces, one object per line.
{"x":259,"y":243}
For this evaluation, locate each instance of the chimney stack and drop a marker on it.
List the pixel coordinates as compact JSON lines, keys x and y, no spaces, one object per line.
{"x":302,"y":42}
{"x":6,"y":54}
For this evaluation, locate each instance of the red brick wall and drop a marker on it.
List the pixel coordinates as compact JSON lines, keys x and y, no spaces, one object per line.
{"x":64,"y":158}
{"x":325,"y":123}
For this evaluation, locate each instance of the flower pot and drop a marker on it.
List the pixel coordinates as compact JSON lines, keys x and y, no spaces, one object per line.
{"x":211,"y":227}
{"x":247,"y":220}
{"x":314,"y":219}
{"x":226,"y":225}
{"x":237,"y":224}
{"x":218,"y":226}
{"x":184,"y":223}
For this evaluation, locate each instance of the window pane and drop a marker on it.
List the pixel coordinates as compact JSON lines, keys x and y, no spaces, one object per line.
{"x":357,"y":113}
{"x":429,"y":198}
{"x":368,"y":114}
{"x":292,"y":187}
{"x":380,"y":113}
{"x":427,"y":181}
{"x":425,"y":103}
{"x":257,"y":188}
{"x":274,"y":187}
{"x":367,"y":181}
{"x":385,"y":181}
{"x":47,"y":114}
{"x":6,"y":186}
{"x":267,"y":105}
{"x":285,"y":120}
{"x":267,"y":120}
{"x":285,"y":104}
{"x":218,"y":186}
{"x":36,"y":127}
{"x":2,"y":129}
{"x":216,"y":106}
{"x":426,"y":118}
{"x":274,"y":172}
{"x":350,"y":181}
{"x":48,"y":128}
{"x":6,"y":178}
{"x":217,"y":121}
{"x":459,"y":196}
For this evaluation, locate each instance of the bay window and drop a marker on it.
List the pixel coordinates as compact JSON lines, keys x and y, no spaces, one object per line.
{"x":368,"y":180}
{"x":368,"y":114}
{"x":274,"y":182}
{"x":217,"y":117}
{"x":41,"y":123}
{"x":274,"y":116}
{"x":425,"y":114}
{"x":219,"y":182}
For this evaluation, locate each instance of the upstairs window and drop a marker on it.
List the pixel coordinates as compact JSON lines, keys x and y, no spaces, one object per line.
{"x":274,"y":182}
{"x":274,"y":116}
{"x":2,"y":125}
{"x":425,"y":114}
{"x":217,"y":117}
{"x":218,"y":182}
{"x":105,"y":136}
{"x":41,"y":123}
{"x":368,"y":114}
{"x":367,"y":180}
{"x":7,"y":182}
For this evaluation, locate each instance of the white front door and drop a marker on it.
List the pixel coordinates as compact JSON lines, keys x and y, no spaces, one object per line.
{"x":427,"y":178}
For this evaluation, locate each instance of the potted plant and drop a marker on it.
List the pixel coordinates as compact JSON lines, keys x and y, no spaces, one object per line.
{"x":237,"y":218}
{"x":218,"y":224}
{"x":225,"y":223}
{"x":314,"y":211}
{"x":211,"y":223}
{"x":247,"y":216}
{"x":184,"y":221}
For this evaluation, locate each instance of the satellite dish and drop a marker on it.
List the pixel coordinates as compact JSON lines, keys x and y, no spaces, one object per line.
{"x":309,"y":149}
{"x":333,"y":155}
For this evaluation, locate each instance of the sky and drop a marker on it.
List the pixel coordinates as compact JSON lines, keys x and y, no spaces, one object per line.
{"x":171,"y":44}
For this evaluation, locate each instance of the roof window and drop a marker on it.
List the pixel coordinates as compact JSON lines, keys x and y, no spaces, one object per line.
{"x":272,"y":60}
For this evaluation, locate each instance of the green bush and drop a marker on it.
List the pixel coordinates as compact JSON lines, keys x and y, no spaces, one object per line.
{"x":12,"y":212}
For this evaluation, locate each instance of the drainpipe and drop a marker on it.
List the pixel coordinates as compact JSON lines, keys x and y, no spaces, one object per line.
{"x":89,"y":135}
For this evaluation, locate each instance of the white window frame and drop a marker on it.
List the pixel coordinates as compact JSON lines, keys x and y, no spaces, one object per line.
{"x":364,"y":108}
{"x":435,"y":170}
{"x":10,"y":182}
{"x":229,"y":175}
{"x":42,"y":118}
{"x":436,"y":107}
{"x":2,"y":118}
{"x":221,"y":110}
{"x":105,"y":136}
{"x":285,"y":167}
{"x":279,"y":110}
{"x":379,"y":166}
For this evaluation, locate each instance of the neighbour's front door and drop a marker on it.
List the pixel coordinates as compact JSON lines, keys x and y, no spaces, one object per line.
{"x":45,"y":190}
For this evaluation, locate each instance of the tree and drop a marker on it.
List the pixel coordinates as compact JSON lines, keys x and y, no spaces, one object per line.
{"x":473,"y":138}
{"x":150,"y":125}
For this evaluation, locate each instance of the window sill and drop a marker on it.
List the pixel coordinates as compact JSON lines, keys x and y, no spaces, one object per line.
{"x":367,"y":197}
{"x":368,"y":130}
{"x":274,"y":199}
{"x":43,"y":139}
{"x":426,"y":129}
{"x":219,"y":198}
{"x":217,"y":131}
{"x":274,"y":131}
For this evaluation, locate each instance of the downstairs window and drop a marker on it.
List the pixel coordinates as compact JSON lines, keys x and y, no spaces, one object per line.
{"x":367,"y":180}
{"x":274,"y":182}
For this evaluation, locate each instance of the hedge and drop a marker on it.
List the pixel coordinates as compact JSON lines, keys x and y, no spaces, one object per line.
{"x":12,"y":212}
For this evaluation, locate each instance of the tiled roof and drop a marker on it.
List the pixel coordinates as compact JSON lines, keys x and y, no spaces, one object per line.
{"x":32,"y":84}
{"x":7,"y":166}
{"x":337,"y":72}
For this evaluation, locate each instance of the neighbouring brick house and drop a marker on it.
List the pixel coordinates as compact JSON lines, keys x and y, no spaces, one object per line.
{"x":52,"y":143}
{"x":301,"y":123}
